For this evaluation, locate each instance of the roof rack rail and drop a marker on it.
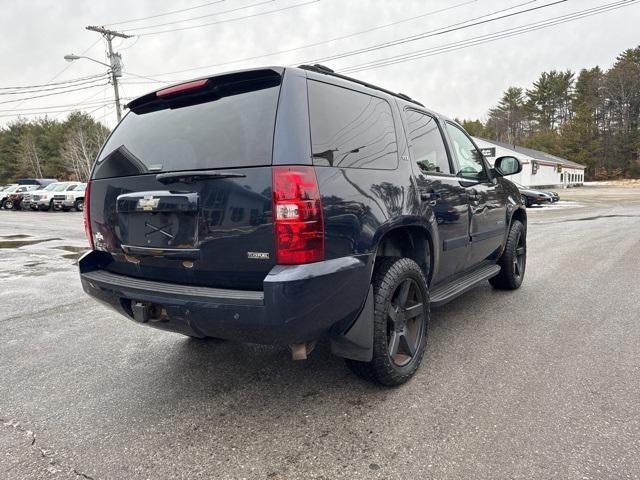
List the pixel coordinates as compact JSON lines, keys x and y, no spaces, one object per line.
{"x":327,"y":71}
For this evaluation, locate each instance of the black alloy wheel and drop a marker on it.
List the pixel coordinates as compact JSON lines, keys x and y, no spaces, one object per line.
{"x":513,"y":261}
{"x":520,"y":257}
{"x":401,"y":319}
{"x":405,"y":322}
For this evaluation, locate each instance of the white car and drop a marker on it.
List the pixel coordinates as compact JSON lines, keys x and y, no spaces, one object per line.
{"x":9,"y":195}
{"x":71,"y":198}
{"x":43,"y":199}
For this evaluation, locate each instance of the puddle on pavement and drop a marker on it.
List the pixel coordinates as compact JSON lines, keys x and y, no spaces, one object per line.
{"x":23,"y":243}
{"x":74,"y":252}
{"x":12,"y":237}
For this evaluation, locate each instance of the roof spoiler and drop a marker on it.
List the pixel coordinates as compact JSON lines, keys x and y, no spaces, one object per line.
{"x":207,"y":89}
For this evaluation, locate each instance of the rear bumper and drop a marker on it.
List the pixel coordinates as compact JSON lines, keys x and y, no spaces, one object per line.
{"x":298,"y":303}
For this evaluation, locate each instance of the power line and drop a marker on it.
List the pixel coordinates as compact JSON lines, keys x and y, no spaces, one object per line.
{"x":54,"y":83}
{"x":488,"y":37}
{"x":49,"y":112}
{"x":432,"y":33}
{"x":66,"y":105}
{"x":166,"y":13}
{"x":230,"y":19}
{"x":68,"y":66}
{"x":553,"y":21}
{"x":55,"y":93}
{"x":60,"y":87}
{"x":147,"y":27}
{"x":323,"y":42}
{"x":145,"y":78}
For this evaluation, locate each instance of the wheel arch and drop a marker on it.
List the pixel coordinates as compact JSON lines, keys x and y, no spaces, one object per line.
{"x":520,"y":214}
{"x":408,"y":241}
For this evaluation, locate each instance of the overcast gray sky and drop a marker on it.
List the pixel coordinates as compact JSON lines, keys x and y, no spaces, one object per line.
{"x":463,"y":83}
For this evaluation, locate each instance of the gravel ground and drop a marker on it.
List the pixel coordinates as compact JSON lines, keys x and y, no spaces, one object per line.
{"x":543,"y":382}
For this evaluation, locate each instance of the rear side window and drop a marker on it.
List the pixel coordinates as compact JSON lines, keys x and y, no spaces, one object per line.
{"x":427,"y":145}
{"x":235,"y":130}
{"x":351,"y":129}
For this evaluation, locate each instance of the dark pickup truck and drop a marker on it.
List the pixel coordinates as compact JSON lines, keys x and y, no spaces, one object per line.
{"x":282,"y":205}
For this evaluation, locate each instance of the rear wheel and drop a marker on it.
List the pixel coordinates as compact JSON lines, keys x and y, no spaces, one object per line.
{"x":401,"y":318}
{"x":526,"y":201}
{"x":513,"y":261}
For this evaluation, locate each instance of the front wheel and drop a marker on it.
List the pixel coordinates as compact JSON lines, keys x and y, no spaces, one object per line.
{"x":401,"y":317}
{"x":8,"y":205}
{"x":513,"y":261}
{"x":79,"y":205}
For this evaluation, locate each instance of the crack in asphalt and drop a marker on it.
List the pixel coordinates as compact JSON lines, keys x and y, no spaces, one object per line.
{"x":48,"y":454}
{"x":50,"y":311}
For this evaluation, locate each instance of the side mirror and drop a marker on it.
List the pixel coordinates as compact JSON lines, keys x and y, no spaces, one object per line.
{"x":507,"y":166}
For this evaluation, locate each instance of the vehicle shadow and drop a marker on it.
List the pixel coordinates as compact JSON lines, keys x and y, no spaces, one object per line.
{"x":254,"y":377}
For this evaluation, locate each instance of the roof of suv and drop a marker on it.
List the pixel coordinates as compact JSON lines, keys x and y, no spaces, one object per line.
{"x":316,"y":69}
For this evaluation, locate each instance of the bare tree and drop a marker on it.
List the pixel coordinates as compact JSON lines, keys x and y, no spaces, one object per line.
{"x":29,"y":156}
{"x":80,"y":148}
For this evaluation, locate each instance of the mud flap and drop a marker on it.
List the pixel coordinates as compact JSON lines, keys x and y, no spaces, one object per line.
{"x":357,"y":342}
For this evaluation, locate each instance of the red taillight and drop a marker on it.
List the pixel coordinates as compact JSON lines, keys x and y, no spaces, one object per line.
{"x":87,"y":215}
{"x":297,"y":215}
{"x":183,"y":87}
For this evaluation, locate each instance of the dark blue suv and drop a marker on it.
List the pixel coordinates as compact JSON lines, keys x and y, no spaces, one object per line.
{"x":282,"y":205}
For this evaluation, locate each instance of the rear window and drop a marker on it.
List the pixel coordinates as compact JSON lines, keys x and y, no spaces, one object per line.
{"x":234,"y":129}
{"x":351,"y":129}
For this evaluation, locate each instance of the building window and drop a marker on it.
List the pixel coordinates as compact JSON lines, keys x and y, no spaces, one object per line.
{"x":237,"y":214}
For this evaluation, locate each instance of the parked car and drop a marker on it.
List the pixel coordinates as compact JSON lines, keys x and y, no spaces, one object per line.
{"x":71,"y":198}
{"x":531,"y":196}
{"x":27,"y":198}
{"x":44,"y":199}
{"x":13,"y":198}
{"x":42,"y":196}
{"x":281,"y":205}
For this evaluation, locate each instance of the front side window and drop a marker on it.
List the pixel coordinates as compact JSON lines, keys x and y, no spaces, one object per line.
{"x":351,"y":129}
{"x":469,"y":157}
{"x":427,"y":145}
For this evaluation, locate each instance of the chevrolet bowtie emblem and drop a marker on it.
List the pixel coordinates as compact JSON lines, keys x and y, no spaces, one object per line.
{"x":148,"y":203}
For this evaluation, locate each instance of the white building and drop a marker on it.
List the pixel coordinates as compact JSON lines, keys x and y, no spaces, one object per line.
{"x":539,"y":169}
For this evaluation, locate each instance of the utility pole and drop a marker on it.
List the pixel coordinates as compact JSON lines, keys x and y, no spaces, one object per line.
{"x":115,"y":60}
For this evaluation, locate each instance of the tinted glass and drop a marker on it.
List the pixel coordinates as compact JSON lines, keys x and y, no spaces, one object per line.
{"x":427,"y":145}
{"x":232,"y":131}
{"x":469,"y":157}
{"x":351,"y":129}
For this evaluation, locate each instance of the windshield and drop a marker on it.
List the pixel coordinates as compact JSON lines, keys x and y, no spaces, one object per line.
{"x":11,"y":189}
{"x":59,"y":187}
{"x":231,"y":131}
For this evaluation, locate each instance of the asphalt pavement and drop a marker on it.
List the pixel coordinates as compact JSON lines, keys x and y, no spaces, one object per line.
{"x":543,"y":382}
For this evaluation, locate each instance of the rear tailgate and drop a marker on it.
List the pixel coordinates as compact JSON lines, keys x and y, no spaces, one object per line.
{"x":181,"y":191}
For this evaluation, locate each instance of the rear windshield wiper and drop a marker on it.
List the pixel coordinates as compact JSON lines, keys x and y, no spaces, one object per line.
{"x":190,"y":177}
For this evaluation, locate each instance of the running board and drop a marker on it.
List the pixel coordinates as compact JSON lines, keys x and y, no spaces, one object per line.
{"x":445,"y":293}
